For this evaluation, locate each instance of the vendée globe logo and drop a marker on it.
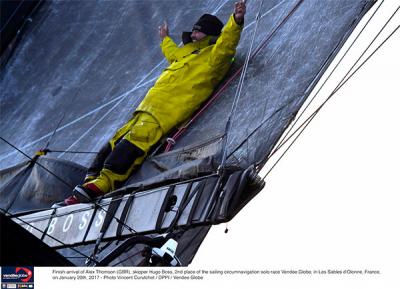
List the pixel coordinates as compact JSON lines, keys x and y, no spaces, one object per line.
{"x":17,"y":274}
{"x":26,"y":276}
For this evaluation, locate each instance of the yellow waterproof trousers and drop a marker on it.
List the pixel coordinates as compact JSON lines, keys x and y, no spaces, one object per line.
{"x":143,"y":131}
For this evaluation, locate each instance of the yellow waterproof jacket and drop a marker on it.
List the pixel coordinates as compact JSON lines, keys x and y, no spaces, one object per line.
{"x":194,"y":72}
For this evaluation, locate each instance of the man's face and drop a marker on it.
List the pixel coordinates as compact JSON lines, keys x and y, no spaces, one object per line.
{"x":197,"y":35}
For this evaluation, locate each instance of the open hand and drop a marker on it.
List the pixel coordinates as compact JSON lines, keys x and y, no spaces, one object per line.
{"x":239,"y":11}
{"x":163,"y":30}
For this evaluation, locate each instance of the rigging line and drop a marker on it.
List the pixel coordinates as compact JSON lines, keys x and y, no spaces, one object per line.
{"x":71,"y":152}
{"x":199,"y":230}
{"x":85,"y":115}
{"x":274,"y":51}
{"x":239,"y":89}
{"x":263,"y":15}
{"x":92,"y":126}
{"x":34,"y":219}
{"x":259,"y":126}
{"x":51,"y":237}
{"x":42,"y":218}
{"x":135,"y":103}
{"x":40,"y":165}
{"x":62,"y":118}
{"x":130,"y":256}
{"x":297,"y":5}
{"x":54,"y":132}
{"x":320,"y":107}
{"x":219,"y":7}
{"x":293,"y":125}
{"x":340,"y":84}
{"x":380,"y":31}
{"x":304,"y":125}
{"x":355,"y":63}
{"x":102,"y":248}
{"x":9,"y":19}
{"x":328,"y":77}
{"x":111,"y":109}
{"x":120,"y":96}
{"x":266,"y":40}
{"x":65,"y":183}
{"x":222,"y":88}
{"x":137,"y":193}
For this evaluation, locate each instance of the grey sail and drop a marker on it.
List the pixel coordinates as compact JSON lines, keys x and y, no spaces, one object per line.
{"x":90,"y":63}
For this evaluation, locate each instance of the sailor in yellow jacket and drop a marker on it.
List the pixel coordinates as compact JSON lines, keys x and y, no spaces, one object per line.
{"x":195,"y":70}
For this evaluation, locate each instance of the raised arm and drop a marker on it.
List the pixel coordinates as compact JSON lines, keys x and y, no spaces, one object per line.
{"x":168,"y":46}
{"x":225,"y":47}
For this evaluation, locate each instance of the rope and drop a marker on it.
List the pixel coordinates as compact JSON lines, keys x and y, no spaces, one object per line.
{"x":262,"y":162}
{"x":40,"y":165}
{"x":26,"y":18}
{"x":343,"y":80}
{"x":71,"y":152}
{"x":328,"y":77}
{"x":54,"y":132}
{"x":41,"y":218}
{"x":65,"y":183}
{"x":9,"y":19}
{"x":51,"y":237}
{"x":239,"y":89}
{"x":60,"y":121}
{"x":129,"y":257}
{"x":47,"y":150}
{"x":232,"y":78}
{"x":309,"y":119}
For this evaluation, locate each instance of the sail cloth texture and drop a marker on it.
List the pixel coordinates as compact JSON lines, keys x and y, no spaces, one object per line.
{"x":29,"y":186}
{"x":98,"y":65}
{"x":195,"y":70}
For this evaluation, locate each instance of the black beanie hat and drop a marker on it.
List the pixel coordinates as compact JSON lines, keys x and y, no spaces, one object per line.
{"x":209,"y":24}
